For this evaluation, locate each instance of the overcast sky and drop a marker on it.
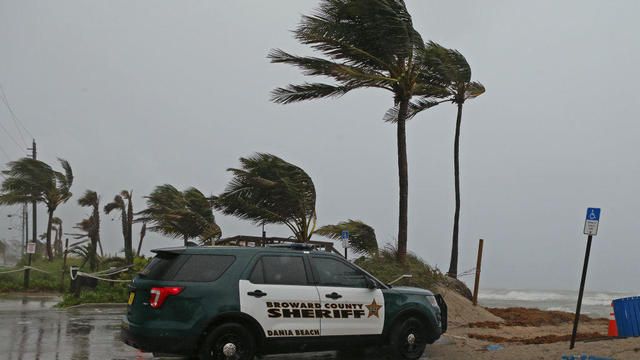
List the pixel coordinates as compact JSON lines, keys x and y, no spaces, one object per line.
{"x":140,"y":93}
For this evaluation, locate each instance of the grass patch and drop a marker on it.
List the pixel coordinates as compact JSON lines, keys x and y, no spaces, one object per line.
{"x":38,"y":281}
{"x":385,"y":268}
{"x":105,"y":292}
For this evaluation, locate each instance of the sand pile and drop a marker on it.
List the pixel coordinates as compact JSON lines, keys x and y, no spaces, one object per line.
{"x":461,"y":310}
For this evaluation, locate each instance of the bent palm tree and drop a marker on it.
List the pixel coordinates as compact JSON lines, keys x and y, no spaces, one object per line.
{"x":186,"y":214}
{"x":269,"y":190}
{"x":126,"y":215}
{"x":367,"y":44}
{"x":29,"y":180}
{"x":456,"y":72}
{"x":362,"y":237}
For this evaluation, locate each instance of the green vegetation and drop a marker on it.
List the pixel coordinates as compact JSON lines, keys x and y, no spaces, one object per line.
{"x":269,"y":190}
{"x":126,"y":215}
{"x":187,"y":214}
{"x":91,"y":225}
{"x":28,"y":180}
{"x":105,"y":292}
{"x":386,"y":268}
{"x":362,"y":237}
{"x":39,"y":281}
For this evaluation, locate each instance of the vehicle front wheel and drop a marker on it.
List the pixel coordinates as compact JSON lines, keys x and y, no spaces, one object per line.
{"x":229,"y":341}
{"x":408,"y":339}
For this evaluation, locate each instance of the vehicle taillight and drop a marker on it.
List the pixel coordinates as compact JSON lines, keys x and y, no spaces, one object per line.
{"x":158,"y":294}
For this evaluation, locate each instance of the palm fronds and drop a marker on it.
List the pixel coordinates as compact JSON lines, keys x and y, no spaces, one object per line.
{"x":269,"y":190}
{"x":362,"y":237}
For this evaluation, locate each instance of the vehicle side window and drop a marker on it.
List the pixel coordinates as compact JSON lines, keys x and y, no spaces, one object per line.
{"x":332,"y":272}
{"x":279,"y":270}
{"x":204,"y":267}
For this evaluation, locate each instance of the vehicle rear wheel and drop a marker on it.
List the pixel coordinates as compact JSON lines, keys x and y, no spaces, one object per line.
{"x":408,"y":339}
{"x":229,"y":341}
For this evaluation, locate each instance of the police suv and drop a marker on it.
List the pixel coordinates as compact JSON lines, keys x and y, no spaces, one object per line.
{"x":236,"y":302}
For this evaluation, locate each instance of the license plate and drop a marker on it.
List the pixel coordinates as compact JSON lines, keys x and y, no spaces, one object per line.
{"x":131,"y":296}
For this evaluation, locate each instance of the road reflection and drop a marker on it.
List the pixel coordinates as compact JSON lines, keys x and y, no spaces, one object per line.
{"x":32,"y":328}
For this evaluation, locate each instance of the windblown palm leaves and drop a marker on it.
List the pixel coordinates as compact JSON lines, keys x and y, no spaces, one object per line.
{"x":187,"y":214}
{"x":269,"y":190}
{"x":29,"y":180}
{"x":367,"y":44}
{"x":91,"y":225}
{"x":362,"y":237}
{"x":126,"y":216}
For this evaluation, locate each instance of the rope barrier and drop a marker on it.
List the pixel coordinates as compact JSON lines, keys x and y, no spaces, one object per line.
{"x":25,"y":268}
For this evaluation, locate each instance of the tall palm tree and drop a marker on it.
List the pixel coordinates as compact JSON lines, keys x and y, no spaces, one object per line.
{"x":367,"y":44}
{"x":126,"y":215}
{"x":269,"y":190}
{"x":362,"y":237}
{"x":455,"y":71}
{"x":29,"y":180}
{"x":187,"y":214}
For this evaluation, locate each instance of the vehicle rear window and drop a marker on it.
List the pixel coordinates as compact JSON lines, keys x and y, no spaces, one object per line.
{"x":280,"y":270}
{"x":204,"y":267}
{"x":181,"y":267}
{"x":163,"y":266}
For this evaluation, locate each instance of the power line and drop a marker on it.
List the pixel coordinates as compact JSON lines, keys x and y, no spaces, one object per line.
{"x":10,"y":136}
{"x":15,"y":117}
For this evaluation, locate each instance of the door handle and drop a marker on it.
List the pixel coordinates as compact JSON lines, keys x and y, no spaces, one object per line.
{"x":334,"y":295}
{"x":257,"y":293}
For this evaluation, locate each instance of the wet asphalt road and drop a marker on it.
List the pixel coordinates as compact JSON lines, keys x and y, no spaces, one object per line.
{"x":30,"y":328}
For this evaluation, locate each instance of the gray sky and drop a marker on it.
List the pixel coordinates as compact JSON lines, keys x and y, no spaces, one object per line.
{"x":140,"y":93}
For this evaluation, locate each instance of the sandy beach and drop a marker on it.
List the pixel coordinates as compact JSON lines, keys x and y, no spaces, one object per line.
{"x":524,"y":334}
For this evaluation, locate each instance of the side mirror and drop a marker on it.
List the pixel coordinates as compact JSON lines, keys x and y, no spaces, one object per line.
{"x":370,"y":283}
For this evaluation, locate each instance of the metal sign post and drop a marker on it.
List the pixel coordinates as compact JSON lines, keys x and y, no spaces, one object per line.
{"x":345,"y":242}
{"x":591,"y":229}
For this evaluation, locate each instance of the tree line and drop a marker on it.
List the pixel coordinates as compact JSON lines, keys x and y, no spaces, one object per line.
{"x":362,"y":44}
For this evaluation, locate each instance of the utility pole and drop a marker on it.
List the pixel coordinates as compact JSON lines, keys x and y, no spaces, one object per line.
{"x":34,"y":226}
{"x":25,"y":229}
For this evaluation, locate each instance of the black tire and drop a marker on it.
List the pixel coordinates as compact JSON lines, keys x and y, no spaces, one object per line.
{"x":403,"y":345}
{"x":229,"y":333}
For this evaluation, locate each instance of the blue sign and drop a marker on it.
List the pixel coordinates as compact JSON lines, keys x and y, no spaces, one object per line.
{"x":593,"y":214}
{"x":345,"y":234}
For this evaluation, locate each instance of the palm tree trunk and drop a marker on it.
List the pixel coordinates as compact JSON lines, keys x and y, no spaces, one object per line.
{"x":186,"y":240}
{"x":143,"y":232}
{"x":403,"y":176}
{"x":129,"y":237}
{"x":453,"y":266}
{"x":49,"y":226}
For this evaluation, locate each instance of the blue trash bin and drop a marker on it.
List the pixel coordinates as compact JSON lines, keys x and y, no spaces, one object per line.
{"x":627,"y":312}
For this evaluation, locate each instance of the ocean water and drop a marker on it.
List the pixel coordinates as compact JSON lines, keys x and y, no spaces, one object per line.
{"x":594,"y":304}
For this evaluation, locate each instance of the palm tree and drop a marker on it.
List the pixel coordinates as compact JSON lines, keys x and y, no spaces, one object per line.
{"x":92,"y":227}
{"x":269,"y":190}
{"x":455,"y":71}
{"x":362,"y":237}
{"x":57,"y":242}
{"x":89,"y":252}
{"x":187,"y":214}
{"x":29,"y":180}
{"x":126,"y":211}
{"x":367,"y":44}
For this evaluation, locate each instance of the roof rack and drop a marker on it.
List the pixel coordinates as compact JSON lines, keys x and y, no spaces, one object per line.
{"x":296,"y":246}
